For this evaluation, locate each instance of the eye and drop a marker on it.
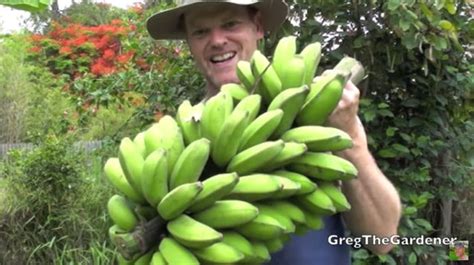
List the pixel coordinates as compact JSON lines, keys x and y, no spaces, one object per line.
{"x":199,"y":33}
{"x":231,"y":24}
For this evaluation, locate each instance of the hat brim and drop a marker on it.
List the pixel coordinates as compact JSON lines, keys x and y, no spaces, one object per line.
{"x":166,"y":24}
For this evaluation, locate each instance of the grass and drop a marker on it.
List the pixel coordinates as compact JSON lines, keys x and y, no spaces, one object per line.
{"x":75,"y":233}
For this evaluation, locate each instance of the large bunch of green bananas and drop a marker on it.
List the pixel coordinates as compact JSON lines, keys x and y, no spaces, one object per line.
{"x":229,"y":180}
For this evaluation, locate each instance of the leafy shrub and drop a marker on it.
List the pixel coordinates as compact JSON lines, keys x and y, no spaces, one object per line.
{"x":54,"y":211}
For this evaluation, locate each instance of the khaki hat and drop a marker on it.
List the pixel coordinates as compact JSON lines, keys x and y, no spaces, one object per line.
{"x":165,"y":24}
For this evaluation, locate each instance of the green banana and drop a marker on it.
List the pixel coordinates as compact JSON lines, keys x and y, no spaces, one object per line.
{"x":245,"y":75}
{"x":188,"y":118}
{"x":190,"y":163}
{"x":256,"y":187}
{"x":274,"y":245}
{"x":241,"y":244}
{"x":191,"y":233}
{"x":227,"y":141}
{"x":311,"y":54}
{"x":139,"y":141}
{"x":237,"y":91}
{"x":219,"y":253}
{"x":306,"y":185}
{"x":290,"y":101}
{"x":178,"y":200}
{"x":165,"y":134}
{"x":114,"y":231}
{"x":251,"y":104}
{"x":255,"y":157}
{"x":114,"y":173}
{"x":288,"y":154}
{"x":261,"y":252}
{"x":215,"y":112}
{"x":289,"y":188}
{"x":144,"y":259}
{"x":121,"y":213}
{"x":324,"y":166}
{"x":319,"y":138}
{"x":175,"y":253}
{"x":289,"y":209}
{"x":123,"y":261}
{"x":285,"y":222}
{"x":313,"y":221}
{"x":284,"y":51}
{"x":338,"y":198}
{"x":269,"y":84}
{"x":294,"y":74}
{"x":321,"y":103}
{"x":213,"y":189}
{"x":317,"y":202}
{"x":157,"y":259}
{"x":227,"y":214}
{"x":263,"y":227}
{"x":260,"y":129}
{"x":155,"y":177}
{"x":131,"y":162}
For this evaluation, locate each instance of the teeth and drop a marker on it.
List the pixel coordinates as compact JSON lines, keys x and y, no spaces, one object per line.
{"x":223,"y":57}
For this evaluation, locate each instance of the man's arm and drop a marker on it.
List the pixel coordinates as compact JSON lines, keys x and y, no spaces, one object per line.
{"x":374,"y":200}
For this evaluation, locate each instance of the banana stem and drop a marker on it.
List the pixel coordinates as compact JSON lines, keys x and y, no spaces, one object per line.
{"x":352,"y":68}
{"x":141,"y":240}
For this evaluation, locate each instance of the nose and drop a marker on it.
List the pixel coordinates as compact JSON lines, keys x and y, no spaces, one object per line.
{"x":217,"y":38}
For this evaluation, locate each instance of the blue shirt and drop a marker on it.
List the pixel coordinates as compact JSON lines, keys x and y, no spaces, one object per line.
{"x":313,"y":248}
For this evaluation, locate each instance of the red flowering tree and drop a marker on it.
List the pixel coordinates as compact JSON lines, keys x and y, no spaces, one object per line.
{"x":116,"y":62}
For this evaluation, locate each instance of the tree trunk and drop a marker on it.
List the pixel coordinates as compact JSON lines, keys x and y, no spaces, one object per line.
{"x":55,"y":10}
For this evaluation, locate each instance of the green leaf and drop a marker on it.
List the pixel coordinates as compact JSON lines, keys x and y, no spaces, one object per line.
{"x":447,"y":25}
{"x":387,"y":153}
{"x":450,"y":7}
{"x":405,"y":137}
{"x":360,"y":254}
{"x":401,"y":148}
{"x":409,"y":41}
{"x":440,"y":43}
{"x":393,"y":4}
{"x":412,"y":258}
{"x":426,"y":11}
{"x":383,"y":105}
{"x":404,"y":24}
{"x":423,"y":223}
{"x":409,"y":210}
{"x":411,"y":103}
{"x":385,"y":113}
{"x":369,"y":115}
{"x":391,"y":131}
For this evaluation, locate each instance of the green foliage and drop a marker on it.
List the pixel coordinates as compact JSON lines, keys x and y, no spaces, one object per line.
{"x":53,"y":208}
{"x":416,"y":102}
{"x":14,"y":89}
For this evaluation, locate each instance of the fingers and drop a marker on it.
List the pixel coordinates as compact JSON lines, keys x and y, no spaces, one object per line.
{"x":350,"y":97}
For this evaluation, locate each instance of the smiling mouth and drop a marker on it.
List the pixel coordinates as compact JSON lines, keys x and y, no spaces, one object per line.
{"x":223,"y":57}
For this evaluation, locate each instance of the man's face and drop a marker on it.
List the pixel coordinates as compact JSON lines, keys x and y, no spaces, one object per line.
{"x":220,"y":36}
{"x":459,"y":251}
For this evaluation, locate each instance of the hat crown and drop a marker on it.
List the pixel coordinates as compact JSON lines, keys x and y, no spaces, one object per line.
{"x":166,"y":24}
{"x":189,"y":2}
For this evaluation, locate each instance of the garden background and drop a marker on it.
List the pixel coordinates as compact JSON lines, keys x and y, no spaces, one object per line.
{"x":90,"y":72}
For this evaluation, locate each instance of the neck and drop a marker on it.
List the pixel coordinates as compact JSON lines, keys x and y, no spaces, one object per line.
{"x":211,"y":90}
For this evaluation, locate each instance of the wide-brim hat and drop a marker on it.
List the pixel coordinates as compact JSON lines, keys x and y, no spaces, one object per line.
{"x":166,"y":24}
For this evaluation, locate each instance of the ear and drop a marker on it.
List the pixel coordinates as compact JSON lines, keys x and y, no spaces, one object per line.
{"x":257,"y":20}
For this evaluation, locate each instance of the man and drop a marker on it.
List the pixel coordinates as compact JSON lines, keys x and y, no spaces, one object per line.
{"x":219,"y":34}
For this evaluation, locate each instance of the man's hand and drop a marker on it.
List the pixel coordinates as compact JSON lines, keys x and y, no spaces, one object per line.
{"x":374,"y":200}
{"x":345,"y":117}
